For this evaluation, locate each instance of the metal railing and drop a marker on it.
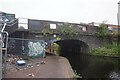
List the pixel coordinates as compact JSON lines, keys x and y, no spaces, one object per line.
{"x":4,"y":38}
{"x":1,"y":56}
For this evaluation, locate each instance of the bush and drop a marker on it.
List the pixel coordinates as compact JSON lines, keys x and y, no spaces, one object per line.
{"x":57,"y":49}
{"x":103,"y":31}
{"x":107,"y":50}
{"x":68,"y":30}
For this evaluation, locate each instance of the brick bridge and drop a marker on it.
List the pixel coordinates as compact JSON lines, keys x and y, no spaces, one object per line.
{"x":22,"y":31}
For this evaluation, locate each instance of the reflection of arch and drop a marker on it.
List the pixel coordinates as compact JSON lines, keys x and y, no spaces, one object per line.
{"x":70,"y":46}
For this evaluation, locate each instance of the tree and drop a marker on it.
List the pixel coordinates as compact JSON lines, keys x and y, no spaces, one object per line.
{"x":102,"y":30}
{"x":68,"y":30}
{"x":47,"y":31}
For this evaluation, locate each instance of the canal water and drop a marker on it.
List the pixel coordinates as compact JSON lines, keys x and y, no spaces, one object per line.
{"x":95,"y":66}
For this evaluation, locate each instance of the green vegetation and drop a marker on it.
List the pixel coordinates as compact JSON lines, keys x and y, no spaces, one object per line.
{"x":47,"y":31}
{"x":77,"y":75}
{"x":57,"y":49}
{"x":68,"y":30}
{"x":107,"y":50}
{"x":103,"y":31}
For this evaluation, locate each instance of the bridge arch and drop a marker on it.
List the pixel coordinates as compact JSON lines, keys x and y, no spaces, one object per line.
{"x":72,"y":47}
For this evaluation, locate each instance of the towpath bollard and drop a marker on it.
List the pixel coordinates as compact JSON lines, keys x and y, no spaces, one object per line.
{"x":43,"y":61}
{"x":1,"y":56}
{"x":44,"y":55}
{"x":43,"y":58}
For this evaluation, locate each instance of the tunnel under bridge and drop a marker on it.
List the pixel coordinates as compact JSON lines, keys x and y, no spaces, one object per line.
{"x":72,"y":47}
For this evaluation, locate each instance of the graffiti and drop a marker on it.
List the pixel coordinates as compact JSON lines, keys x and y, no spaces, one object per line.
{"x":11,"y":45}
{"x":36,"y":48}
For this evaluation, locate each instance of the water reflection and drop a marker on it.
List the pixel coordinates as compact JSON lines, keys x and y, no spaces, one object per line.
{"x":95,"y":67}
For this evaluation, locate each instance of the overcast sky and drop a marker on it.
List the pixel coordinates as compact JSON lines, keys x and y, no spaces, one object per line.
{"x":76,"y":11}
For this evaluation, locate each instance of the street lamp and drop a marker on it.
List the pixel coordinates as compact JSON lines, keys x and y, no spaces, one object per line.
{"x":53,"y":27}
{"x":54,"y":35}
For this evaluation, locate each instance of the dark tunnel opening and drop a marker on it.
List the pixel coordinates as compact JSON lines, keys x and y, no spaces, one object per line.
{"x":70,"y":47}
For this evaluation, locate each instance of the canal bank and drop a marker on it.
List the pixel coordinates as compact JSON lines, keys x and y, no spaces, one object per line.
{"x":54,"y":67}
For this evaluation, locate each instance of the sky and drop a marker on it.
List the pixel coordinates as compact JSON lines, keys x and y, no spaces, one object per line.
{"x":75,"y":11}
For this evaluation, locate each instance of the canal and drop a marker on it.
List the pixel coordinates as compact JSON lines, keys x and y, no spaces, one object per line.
{"x":95,"y":67}
{"x":87,"y":66}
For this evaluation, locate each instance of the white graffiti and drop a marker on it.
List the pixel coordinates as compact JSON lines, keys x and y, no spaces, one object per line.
{"x":35,"y":48}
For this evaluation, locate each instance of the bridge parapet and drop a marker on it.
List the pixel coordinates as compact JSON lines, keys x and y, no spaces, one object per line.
{"x":39,"y":25}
